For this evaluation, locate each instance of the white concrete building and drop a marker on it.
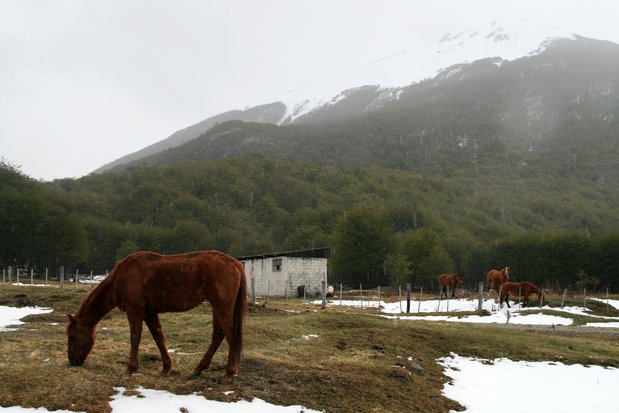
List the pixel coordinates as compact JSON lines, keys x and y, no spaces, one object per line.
{"x":286,"y":274}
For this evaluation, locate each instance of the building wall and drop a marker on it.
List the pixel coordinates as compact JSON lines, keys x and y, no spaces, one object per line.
{"x":293,"y":272}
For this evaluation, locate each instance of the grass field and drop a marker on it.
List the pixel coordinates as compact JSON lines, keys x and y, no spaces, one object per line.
{"x":335,"y":359}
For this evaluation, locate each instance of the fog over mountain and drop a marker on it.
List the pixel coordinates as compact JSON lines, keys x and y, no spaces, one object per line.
{"x":372,"y":85}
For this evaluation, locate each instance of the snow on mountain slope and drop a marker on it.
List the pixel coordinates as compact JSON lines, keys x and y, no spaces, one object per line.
{"x":424,"y":59}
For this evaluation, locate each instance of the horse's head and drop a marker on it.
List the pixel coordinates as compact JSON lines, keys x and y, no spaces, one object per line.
{"x":81,"y":339}
{"x":506,"y":272}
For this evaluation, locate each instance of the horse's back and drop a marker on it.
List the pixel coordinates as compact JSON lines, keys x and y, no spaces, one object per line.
{"x":179,"y":282}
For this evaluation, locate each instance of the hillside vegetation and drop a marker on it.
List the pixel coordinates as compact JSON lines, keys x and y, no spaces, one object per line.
{"x":487,"y":164}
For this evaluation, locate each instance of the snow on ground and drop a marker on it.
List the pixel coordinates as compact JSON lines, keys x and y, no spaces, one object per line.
{"x":159,"y":401}
{"x":479,"y":385}
{"x":484,"y":386}
{"x":511,"y":315}
{"x":11,"y":316}
{"x":155,"y":401}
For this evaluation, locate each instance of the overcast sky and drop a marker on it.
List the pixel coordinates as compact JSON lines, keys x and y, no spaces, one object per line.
{"x":84,"y":82}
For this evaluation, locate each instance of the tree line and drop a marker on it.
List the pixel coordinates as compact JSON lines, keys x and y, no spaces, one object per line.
{"x":384,"y":227}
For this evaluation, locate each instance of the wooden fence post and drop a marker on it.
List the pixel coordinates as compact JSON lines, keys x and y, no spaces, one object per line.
{"x":62,"y":276}
{"x":340,"y":293}
{"x":481,"y":295}
{"x":361,"y":294}
{"x":408,"y":298}
{"x":400,"y":296}
{"x":46,"y":275}
{"x":419,"y":302}
{"x":563,"y":299}
{"x":31,"y":276}
{"x":324,"y":294}
{"x":253,"y":291}
{"x":287,"y":289}
{"x":585,"y":298}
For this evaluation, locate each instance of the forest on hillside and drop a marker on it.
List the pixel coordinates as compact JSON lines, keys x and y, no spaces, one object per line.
{"x":384,"y":227}
{"x":487,"y":164}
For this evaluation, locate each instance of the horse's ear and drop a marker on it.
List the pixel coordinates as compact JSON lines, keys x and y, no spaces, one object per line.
{"x":71,"y":318}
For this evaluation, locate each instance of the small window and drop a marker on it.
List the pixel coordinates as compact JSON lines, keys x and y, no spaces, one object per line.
{"x":277,"y":264}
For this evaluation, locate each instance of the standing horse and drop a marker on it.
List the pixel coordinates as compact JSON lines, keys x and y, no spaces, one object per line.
{"x":450,"y":280}
{"x":145,"y":284}
{"x":497,"y":277}
{"x":525,"y":289}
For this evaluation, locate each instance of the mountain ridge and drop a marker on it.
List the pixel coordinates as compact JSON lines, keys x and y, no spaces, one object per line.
{"x":557,"y":106}
{"x":387,"y":76}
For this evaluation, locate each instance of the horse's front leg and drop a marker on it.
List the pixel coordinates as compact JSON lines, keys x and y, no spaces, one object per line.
{"x":154,"y":325}
{"x":135,"y":328}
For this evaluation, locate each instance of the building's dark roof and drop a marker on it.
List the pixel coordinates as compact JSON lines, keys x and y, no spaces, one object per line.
{"x":322,"y":252}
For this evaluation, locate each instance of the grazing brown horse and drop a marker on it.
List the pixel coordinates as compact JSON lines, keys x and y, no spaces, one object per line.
{"x":450,"y":280}
{"x":525,"y":289}
{"x":145,"y":284}
{"x":497,"y":277}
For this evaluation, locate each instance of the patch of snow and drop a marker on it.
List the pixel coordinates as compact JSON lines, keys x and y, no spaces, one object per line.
{"x":155,"y":401}
{"x":606,"y":325}
{"x":11,"y":316}
{"x":613,"y":303}
{"x":511,"y":315}
{"x":484,"y":386}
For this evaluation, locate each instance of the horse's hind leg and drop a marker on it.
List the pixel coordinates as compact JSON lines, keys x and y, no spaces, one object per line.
{"x":154,"y":325}
{"x":216,"y":339}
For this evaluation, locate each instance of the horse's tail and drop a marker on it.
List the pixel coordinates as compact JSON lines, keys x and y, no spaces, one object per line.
{"x":240,"y":307}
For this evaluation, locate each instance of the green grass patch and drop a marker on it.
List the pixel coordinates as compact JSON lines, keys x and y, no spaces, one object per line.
{"x":336,"y":359}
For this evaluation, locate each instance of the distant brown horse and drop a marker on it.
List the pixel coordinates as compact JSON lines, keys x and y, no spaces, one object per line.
{"x":497,"y":277}
{"x":145,"y":284}
{"x":450,"y":280}
{"x":524,"y":289}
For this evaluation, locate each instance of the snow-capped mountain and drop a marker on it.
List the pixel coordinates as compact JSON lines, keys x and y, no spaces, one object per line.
{"x":370,"y":86}
{"x":424,"y":59}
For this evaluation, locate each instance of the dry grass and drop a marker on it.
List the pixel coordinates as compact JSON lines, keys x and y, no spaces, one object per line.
{"x":357,"y":363}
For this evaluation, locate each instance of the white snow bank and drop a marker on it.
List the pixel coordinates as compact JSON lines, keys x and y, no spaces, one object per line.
{"x":489,"y":386}
{"x":512,"y":315}
{"x":607,"y":325}
{"x":155,"y":401}
{"x":612,"y":303}
{"x":11,"y":316}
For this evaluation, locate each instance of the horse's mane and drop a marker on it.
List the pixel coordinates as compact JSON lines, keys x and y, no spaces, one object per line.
{"x":99,"y":300}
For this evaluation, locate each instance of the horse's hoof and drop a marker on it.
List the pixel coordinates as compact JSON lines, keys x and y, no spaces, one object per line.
{"x":228,"y":377}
